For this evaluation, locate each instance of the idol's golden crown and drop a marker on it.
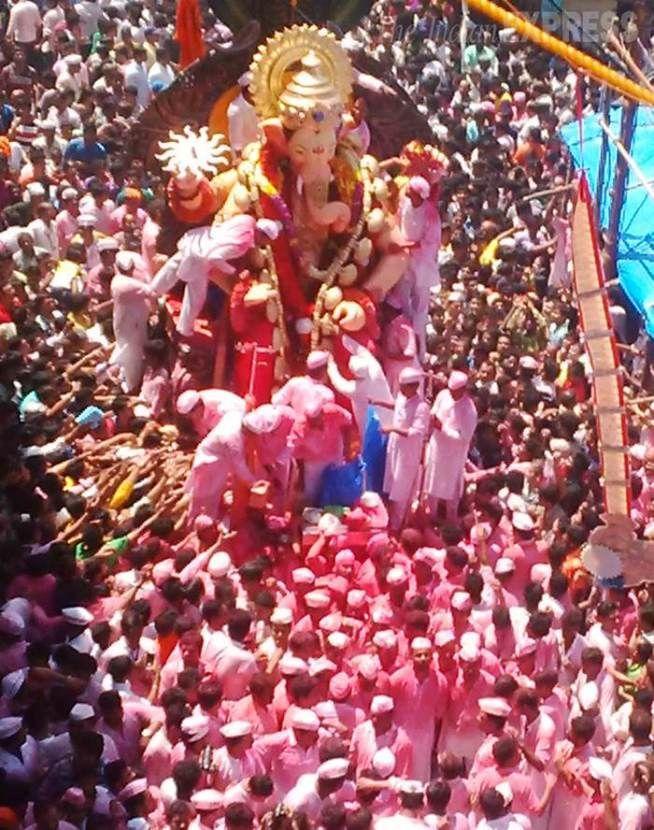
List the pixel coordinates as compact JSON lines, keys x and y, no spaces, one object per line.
{"x":301,"y":72}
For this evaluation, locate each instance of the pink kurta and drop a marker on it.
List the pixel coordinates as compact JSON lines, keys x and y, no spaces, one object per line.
{"x":217,"y":402}
{"x":299,"y":391}
{"x":160,"y":756}
{"x":285,"y":760}
{"x":262,"y":718}
{"x":460,"y":732}
{"x":419,"y":706}
{"x":66,"y":227}
{"x":524,"y":798}
{"x":220,"y":455}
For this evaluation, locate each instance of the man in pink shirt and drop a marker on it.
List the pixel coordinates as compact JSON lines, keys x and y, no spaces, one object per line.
{"x":165,"y":747}
{"x":237,"y":759}
{"x":547,"y":648}
{"x":236,"y":665}
{"x":224,"y":452}
{"x":210,"y":707}
{"x":98,"y":279}
{"x":130,"y":209}
{"x":506,"y":768}
{"x":460,"y":732}
{"x":538,"y":730}
{"x":300,"y":391}
{"x":291,"y":753}
{"x":256,"y":708}
{"x":124,"y":728}
{"x":272,"y":425}
{"x":185,"y":656}
{"x":205,"y":408}
{"x":420,"y":694}
{"x":380,"y":732}
{"x":526,"y":551}
{"x":493,"y":716}
{"x":400,"y":348}
{"x":258,"y":792}
{"x":97,"y":203}
{"x":66,"y":220}
{"x":571,"y":757}
{"x":319,"y":437}
{"x":552,"y":698}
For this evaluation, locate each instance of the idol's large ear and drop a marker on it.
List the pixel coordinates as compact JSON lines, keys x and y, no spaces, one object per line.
{"x":274,"y":134}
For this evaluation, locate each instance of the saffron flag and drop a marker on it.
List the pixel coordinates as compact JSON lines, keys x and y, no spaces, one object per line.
{"x":188,"y":32}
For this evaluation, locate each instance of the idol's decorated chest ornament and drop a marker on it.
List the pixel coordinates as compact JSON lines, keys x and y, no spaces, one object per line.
{"x":306,"y":234}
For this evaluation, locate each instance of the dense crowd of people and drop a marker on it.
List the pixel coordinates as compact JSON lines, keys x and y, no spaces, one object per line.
{"x":186,"y":639}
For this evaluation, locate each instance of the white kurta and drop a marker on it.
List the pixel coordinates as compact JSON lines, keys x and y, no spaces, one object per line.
{"x":242,"y":123}
{"x":132,"y":299}
{"x":422,"y":227}
{"x":198,"y":252}
{"x":448,"y":447}
{"x":404,"y":453}
{"x":23,"y":766}
{"x":370,"y":384}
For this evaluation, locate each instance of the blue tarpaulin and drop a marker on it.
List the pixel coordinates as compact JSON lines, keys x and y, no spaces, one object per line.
{"x":635,"y":260}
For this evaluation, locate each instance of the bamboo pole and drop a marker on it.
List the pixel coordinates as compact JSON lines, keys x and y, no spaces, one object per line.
{"x":625,"y":54}
{"x":629,"y":159}
{"x":605,"y":108}
{"x":638,"y":401}
{"x":620,"y":178}
{"x":578,"y":59}
{"x":552,"y":191}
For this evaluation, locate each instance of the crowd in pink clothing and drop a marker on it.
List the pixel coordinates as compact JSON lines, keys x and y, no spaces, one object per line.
{"x":189,"y":637}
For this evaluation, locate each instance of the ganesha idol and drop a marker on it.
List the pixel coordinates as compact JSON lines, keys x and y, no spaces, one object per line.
{"x":305,"y":200}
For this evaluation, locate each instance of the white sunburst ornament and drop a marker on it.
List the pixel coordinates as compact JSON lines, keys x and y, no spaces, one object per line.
{"x":197,"y":153}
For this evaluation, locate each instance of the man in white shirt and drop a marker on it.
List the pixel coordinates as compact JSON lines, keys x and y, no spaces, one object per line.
{"x":24,"y":23}
{"x":135,"y":75}
{"x":409,"y":816}
{"x":89,"y":12}
{"x":18,"y":751}
{"x":52,"y":144}
{"x":634,"y":808}
{"x":65,"y":116}
{"x":161,"y":72}
{"x":54,"y":15}
{"x":495,"y":807}
{"x":637,"y":749}
{"x":603,"y":633}
{"x":77,"y":620}
{"x":71,"y":79}
{"x":241,"y":117}
{"x":43,"y":229}
{"x":313,"y":790}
